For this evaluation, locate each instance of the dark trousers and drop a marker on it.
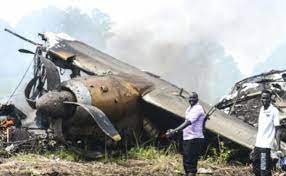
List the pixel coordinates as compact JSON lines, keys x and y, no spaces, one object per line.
{"x":262,"y":163}
{"x":192,"y":150}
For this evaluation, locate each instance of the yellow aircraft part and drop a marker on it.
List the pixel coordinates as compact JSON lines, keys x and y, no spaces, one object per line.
{"x":114,"y":96}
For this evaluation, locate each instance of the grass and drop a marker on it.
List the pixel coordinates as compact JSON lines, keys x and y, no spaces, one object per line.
{"x":27,"y":157}
{"x":221,"y":155}
{"x":142,"y":160}
{"x":149,"y":152}
{"x":160,"y":159}
{"x":64,"y":154}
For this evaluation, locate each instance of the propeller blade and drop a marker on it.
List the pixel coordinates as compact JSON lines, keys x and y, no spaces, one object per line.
{"x":27,"y":92}
{"x":52,"y":74}
{"x":35,"y":86}
{"x":57,"y":127}
{"x":101,"y":119}
{"x":25,"y":51}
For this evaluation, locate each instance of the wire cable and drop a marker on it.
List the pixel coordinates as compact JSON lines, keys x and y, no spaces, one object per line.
{"x":24,"y":75}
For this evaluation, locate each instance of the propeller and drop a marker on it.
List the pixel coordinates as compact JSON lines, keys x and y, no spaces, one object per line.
{"x":101,"y":119}
{"x":56,"y":104}
{"x":46,"y":73}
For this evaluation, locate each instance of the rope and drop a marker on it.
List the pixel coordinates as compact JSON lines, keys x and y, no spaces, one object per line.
{"x":24,"y":75}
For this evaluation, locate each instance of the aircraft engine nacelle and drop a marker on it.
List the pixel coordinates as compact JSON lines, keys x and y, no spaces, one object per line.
{"x":114,"y":96}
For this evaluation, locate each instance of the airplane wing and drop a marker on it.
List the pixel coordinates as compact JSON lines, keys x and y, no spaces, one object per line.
{"x":87,"y":58}
{"x":219,"y":122}
{"x":163,"y":104}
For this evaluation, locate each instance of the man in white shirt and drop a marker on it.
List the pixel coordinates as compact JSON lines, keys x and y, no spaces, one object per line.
{"x":268,"y":130}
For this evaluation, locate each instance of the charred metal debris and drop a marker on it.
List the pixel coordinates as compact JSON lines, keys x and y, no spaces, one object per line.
{"x":243,"y":101}
{"x":86,"y":99}
{"x":14,"y":138}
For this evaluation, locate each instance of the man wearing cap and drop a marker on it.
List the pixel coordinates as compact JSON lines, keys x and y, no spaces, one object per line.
{"x":268,"y":130}
{"x":193,"y":137}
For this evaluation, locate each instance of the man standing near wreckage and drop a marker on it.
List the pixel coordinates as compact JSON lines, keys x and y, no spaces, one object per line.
{"x":193,"y":137}
{"x":268,"y":130}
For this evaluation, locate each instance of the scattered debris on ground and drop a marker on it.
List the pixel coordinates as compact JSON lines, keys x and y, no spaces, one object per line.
{"x":163,"y":166}
{"x":23,"y":153}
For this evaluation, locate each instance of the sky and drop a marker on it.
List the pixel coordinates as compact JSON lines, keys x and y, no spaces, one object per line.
{"x":248,"y":30}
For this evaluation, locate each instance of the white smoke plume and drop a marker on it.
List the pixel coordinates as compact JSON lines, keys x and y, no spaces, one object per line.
{"x":193,"y":43}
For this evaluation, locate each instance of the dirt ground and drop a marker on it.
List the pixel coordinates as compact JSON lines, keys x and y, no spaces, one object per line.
{"x":26,"y":165}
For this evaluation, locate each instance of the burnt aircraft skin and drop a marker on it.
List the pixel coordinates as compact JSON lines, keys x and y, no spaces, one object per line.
{"x":244,"y":99}
{"x":243,"y":102}
{"x":105,"y":94}
{"x":163,"y":96}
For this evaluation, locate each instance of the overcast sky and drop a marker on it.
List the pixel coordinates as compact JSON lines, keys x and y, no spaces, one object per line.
{"x":248,"y":30}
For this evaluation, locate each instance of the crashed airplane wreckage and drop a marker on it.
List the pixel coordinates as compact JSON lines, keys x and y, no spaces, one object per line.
{"x":243,"y":102}
{"x":106,"y":97}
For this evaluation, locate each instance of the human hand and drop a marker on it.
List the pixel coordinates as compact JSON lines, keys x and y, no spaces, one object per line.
{"x":170,"y":133}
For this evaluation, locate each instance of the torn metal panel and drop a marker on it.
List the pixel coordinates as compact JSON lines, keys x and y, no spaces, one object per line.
{"x":246,"y":103}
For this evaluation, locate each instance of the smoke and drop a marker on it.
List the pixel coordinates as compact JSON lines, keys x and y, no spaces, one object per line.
{"x":190,"y":58}
{"x":243,"y":32}
{"x":93,"y":29}
{"x":167,"y":44}
{"x":276,"y":61}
